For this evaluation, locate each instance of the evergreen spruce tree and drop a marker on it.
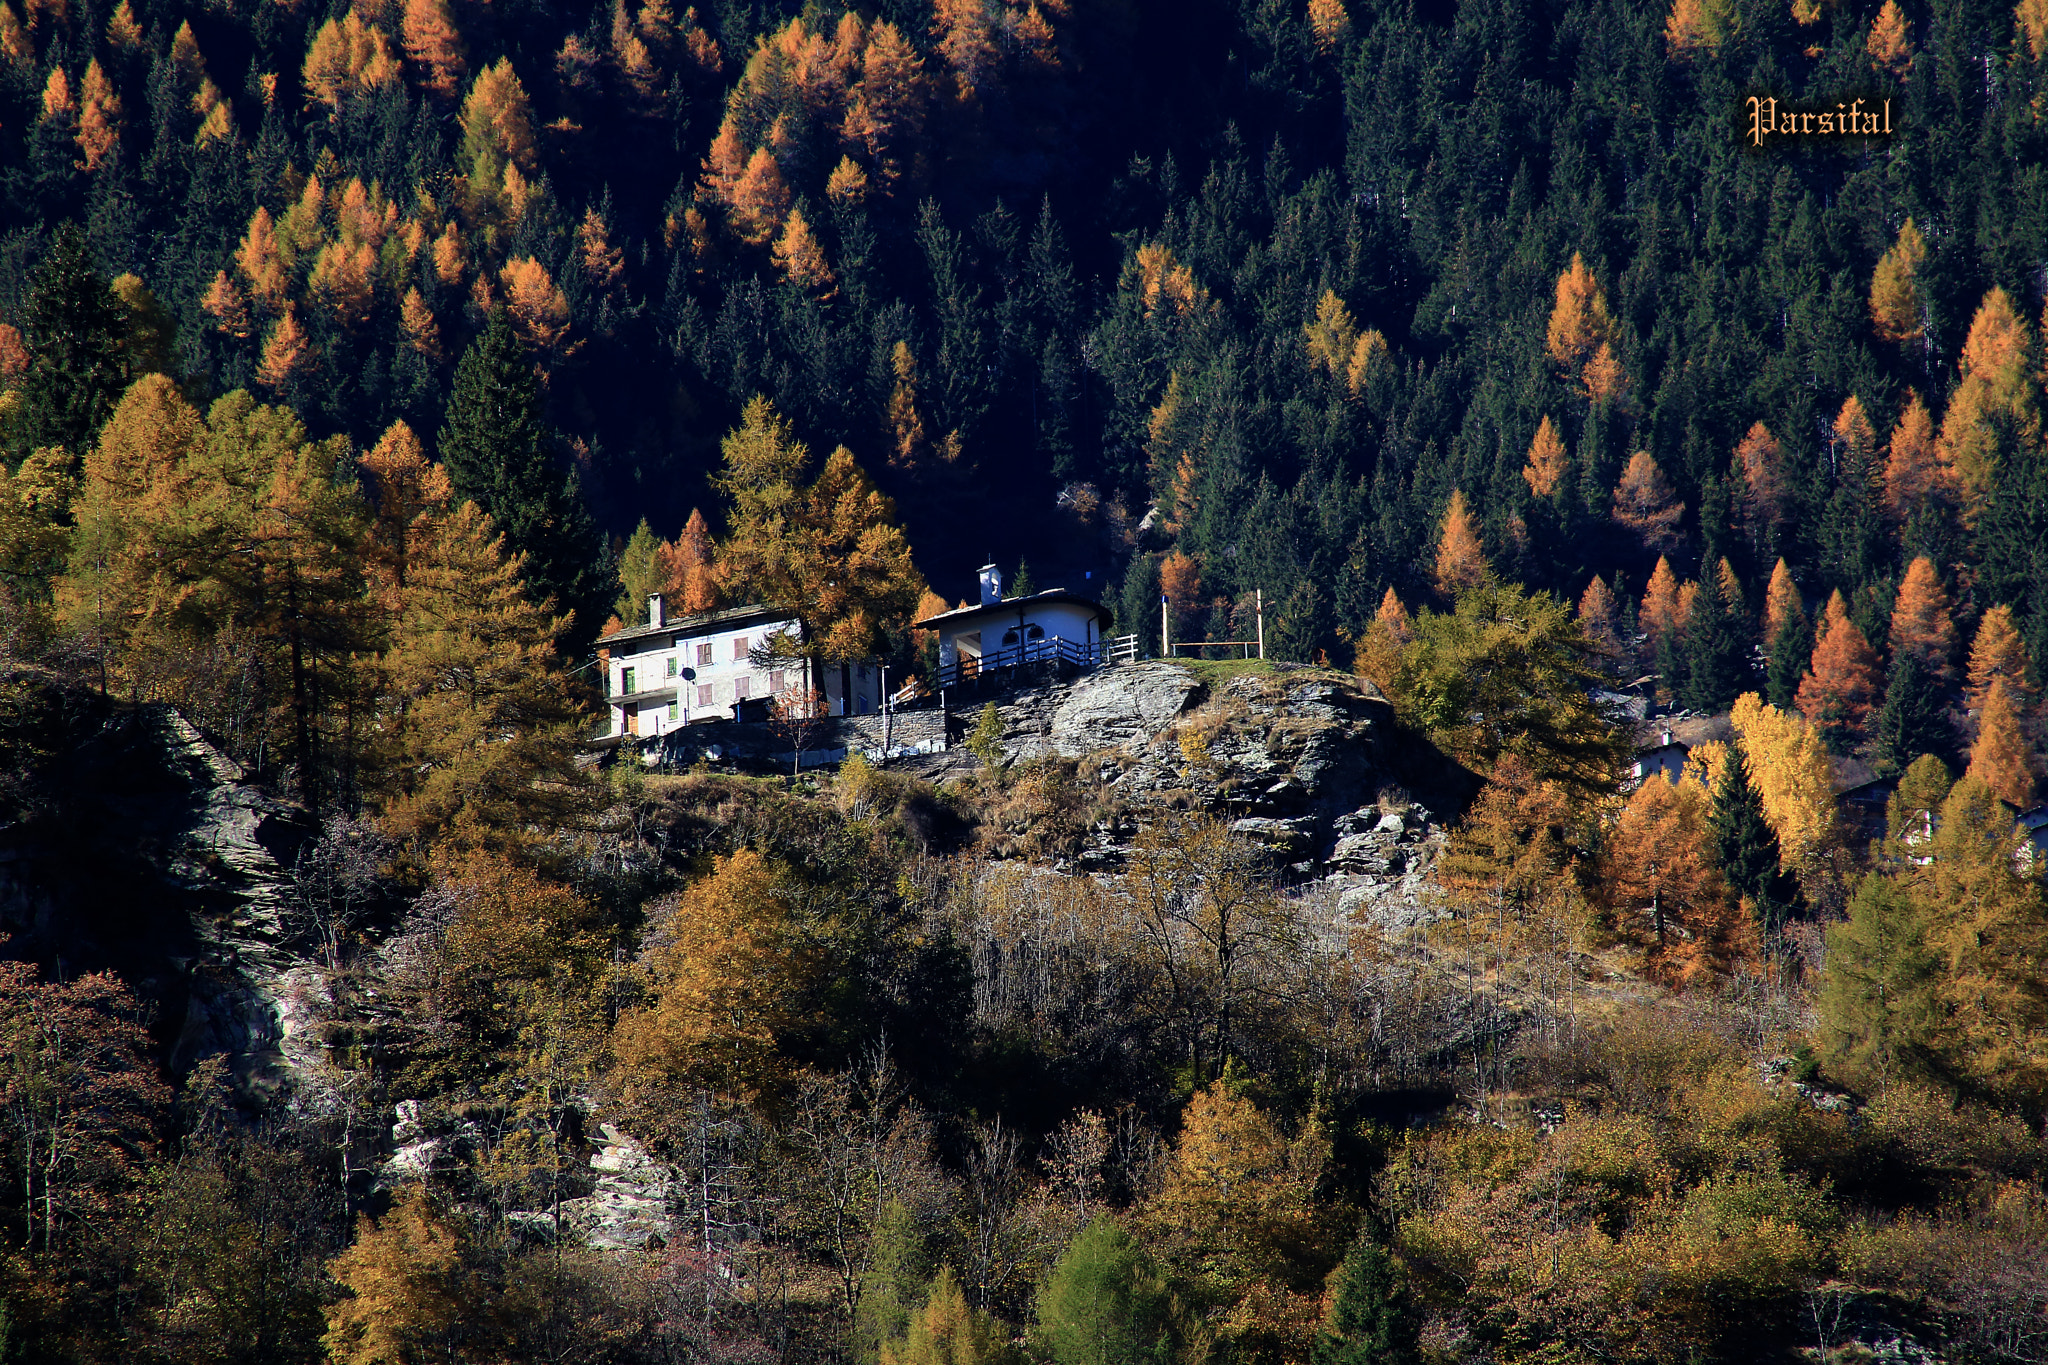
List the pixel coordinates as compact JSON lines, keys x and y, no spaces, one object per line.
{"x":1023,"y":585}
{"x":1370,"y":1322}
{"x":1747,"y":848}
{"x":1715,"y":643}
{"x":1911,"y":722}
{"x":74,"y":329}
{"x":1786,"y":662}
{"x":498,"y":450}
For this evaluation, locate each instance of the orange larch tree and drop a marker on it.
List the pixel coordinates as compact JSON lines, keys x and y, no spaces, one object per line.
{"x":99,"y":117}
{"x":1600,"y":615}
{"x":1580,"y":325}
{"x":1660,"y":612}
{"x":1890,"y":43}
{"x":1663,"y":889}
{"x":1913,"y":475}
{"x":1546,"y":463}
{"x":1895,"y":303}
{"x":1841,"y":687}
{"x":2002,"y":758}
{"x":1766,"y":498}
{"x":1996,"y":406}
{"x":1645,"y":503}
{"x":433,"y":45}
{"x":1997,"y":653}
{"x":1921,"y":625}
{"x":1460,"y":562}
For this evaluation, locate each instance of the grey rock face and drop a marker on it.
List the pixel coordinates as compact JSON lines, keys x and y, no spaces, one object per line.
{"x":629,"y":1208}
{"x":1115,"y":708}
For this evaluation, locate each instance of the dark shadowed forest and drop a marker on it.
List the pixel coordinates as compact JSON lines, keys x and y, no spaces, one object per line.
{"x":365,"y":366}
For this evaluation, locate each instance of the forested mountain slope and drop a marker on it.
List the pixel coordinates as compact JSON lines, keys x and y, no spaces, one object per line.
{"x":996,"y":249}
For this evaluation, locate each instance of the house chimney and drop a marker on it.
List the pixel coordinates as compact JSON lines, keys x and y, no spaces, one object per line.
{"x":654,"y":611}
{"x":991,"y":585}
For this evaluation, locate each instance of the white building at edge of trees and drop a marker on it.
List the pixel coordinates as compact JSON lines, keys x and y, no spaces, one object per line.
{"x":716,"y":666}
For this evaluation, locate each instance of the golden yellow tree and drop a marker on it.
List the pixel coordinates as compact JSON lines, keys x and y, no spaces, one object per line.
{"x":497,"y":123}
{"x":347,"y":56}
{"x":404,"y":1288}
{"x":829,"y":550}
{"x":724,"y":976}
{"x":1788,"y":765}
{"x":478,"y":722}
{"x":1996,"y":405}
{"x":1332,"y":334}
{"x":1990,"y":925}
{"x":1235,"y":1209}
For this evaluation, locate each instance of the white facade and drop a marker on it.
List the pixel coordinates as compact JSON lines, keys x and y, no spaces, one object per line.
{"x":672,"y":672}
{"x":1010,"y":630}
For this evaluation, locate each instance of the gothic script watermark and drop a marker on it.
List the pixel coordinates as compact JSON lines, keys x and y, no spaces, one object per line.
{"x":1767,"y":119}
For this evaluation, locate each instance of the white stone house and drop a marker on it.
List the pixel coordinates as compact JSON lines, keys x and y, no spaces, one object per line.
{"x":1001,"y":632}
{"x":720,"y":665}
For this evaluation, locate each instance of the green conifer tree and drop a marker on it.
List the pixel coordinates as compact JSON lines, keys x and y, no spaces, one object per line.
{"x":1716,"y":639}
{"x":1023,"y":585}
{"x":1911,"y":722}
{"x":74,"y":329}
{"x":1880,"y":996}
{"x":1104,"y":1304}
{"x":1747,"y":848}
{"x":499,"y":452}
{"x":1370,"y":1321}
{"x":1790,"y":650}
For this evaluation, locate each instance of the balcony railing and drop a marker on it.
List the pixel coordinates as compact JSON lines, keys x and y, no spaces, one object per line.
{"x":1051,"y":650}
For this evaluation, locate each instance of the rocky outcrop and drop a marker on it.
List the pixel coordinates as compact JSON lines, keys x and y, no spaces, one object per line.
{"x":628,"y":1211}
{"x":155,"y":857}
{"x":1298,"y":760}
